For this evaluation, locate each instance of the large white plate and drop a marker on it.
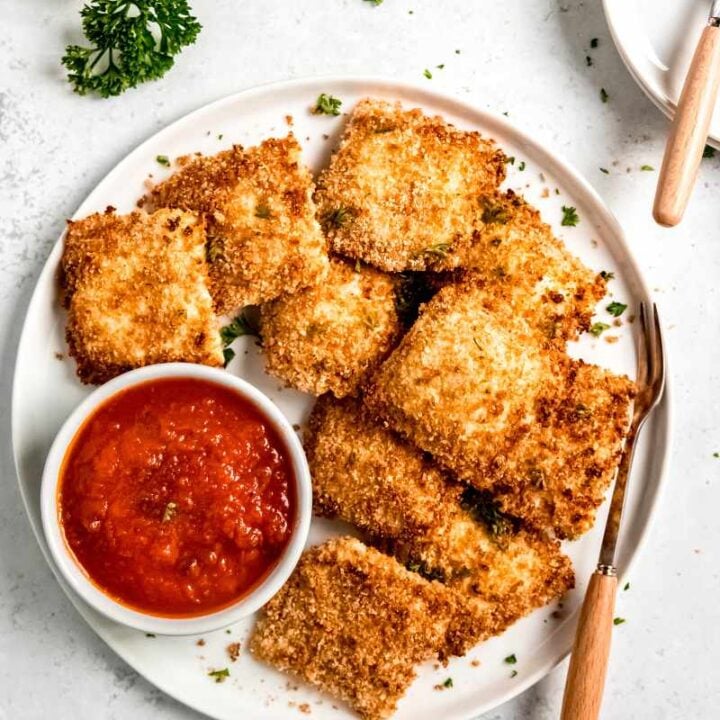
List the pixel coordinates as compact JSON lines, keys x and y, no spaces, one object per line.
{"x":46,"y":390}
{"x":656,"y":40}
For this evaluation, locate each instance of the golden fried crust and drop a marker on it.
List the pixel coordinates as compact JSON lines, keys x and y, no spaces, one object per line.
{"x":403,"y":187}
{"x":504,"y":411}
{"x":515,"y":255}
{"x":329,"y":336}
{"x":136,"y":290}
{"x":368,"y":476}
{"x":354,"y":622}
{"x":263,"y":236}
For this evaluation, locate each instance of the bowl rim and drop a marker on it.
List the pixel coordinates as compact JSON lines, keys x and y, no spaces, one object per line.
{"x":74,"y":573}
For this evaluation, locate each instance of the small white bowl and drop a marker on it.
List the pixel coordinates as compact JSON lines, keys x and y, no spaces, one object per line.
{"x":76,"y":576}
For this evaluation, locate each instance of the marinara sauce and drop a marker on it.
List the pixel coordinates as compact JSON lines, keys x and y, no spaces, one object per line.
{"x":177,"y":496}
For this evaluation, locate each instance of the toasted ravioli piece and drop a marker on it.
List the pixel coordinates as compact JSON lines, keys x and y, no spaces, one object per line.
{"x":329,"y":336}
{"x":136,"y":290}
{"x":505,"y":412}
{"x":368,"y":476}
{"x":263,"y":236}
{"x":354,"y":622}
{"x":515,"y":255}
{"x":403,"y":187}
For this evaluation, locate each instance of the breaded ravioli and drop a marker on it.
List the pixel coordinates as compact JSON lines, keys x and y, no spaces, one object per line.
{"x":520,"y":262}
{"x":504,"y":411}
{"x":263,"y":237}
{"x":366,"y":475}
{"x":329,"y":336}
{"x":354,"y":622}
{"x":137,"y":292}
{"x":403,"y":188}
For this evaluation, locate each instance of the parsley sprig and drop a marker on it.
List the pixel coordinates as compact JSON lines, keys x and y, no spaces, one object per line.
{"x":327,"y":105}
{"x":130,"y":42}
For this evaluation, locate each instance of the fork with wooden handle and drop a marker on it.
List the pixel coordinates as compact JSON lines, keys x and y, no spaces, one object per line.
{"x":588,"y":664}
{"x":685,"y":145}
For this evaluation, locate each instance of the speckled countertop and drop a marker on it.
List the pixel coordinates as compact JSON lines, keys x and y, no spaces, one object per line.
{"x":525,"y":57}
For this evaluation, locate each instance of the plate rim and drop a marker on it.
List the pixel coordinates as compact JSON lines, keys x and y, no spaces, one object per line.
{"x":613,"y":10}
{"x":663,"y":415}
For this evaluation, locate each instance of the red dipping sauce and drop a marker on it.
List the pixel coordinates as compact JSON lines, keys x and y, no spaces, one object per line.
{"x":177,"y":496}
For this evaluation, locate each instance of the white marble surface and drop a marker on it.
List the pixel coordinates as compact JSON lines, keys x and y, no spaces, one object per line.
{"x":526,"y":57}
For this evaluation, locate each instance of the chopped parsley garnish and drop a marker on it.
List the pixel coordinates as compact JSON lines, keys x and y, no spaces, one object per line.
{"x":219,"y":675}
{"x":441,"y":250}
{"x":607,"y":275}
{"x":604,"y":95}
{"x":484,"y":509}
{"x":494,"y":213}
{"x":427,"y":572}
{"x":240,"y":326}
{"x":716,"y":454}
{"x":594,"y":43}
{"x":441,"y":66}
{"x":263,"y":211}
{"x":521,"y":165}
{"x":605,"y":170}
{"x":570,"y":217}
{"x":616,"y":309}
{"x":427,"y":74}
{"x":511,"y":659}
{"x":130,"y":42}
{"x":150,"y":635}
{"x":448,"y":683}
{"x":627,"y":587}
{"x":647,"y":168}
{"x":509,"y":160}
{"x":170,"y":512}
{"x":588,"y":61}
{"x":375,"y":2}
{"x":339,"y":217}
{"x":599,"y":328}
{"x":162,"y":160}
{"x":327,"y":105}
{"x":709,"y":152}
{"x":618,"y":621}
{"x":457,"y":52}
{"x":513,"y":673}
{"x":228,"y":356}
{"x":214,"y":249}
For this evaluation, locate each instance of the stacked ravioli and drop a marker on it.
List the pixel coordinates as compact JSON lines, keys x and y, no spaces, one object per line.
{"x":429,"y":310}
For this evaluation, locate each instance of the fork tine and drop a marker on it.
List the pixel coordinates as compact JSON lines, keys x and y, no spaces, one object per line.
{"x":644,"y":349}
{"x":659,"y":354}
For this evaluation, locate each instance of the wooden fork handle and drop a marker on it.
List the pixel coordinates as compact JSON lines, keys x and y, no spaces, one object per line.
{"x":588,"y":664}
{"x":688,"y":135}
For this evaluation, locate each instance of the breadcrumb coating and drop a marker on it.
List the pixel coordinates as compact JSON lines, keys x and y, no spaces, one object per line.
{"x":136,"y":290}
{"x":505,"y":412}
{"x":329,"y":336}
{"x":263,"y":237}
{"x":354,"y":622}
{"x":403,"y":187}
{"x":368,"y":476}
{"x":515,"y":255}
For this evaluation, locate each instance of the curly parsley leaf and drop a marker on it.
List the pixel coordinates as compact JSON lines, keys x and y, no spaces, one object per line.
{"x":130,"y":42}
{"x":599,"y":328}
{"x":219,"y":675}
{"x":570,"y":217}
{"x":243,"y":324}
{"x":327,"y":105}
{"x":616,"y":309}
